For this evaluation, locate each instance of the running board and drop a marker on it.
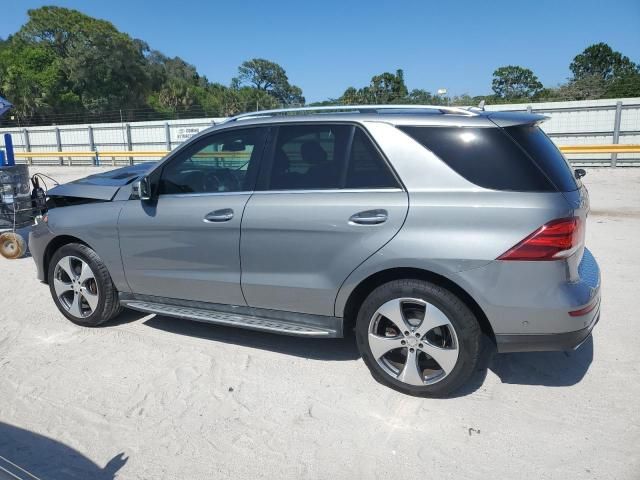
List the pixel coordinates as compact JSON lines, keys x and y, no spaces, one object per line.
{"x":301,"y":325}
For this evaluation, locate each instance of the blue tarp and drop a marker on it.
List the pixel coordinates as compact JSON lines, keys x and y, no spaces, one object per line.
{"x":4,"y":106}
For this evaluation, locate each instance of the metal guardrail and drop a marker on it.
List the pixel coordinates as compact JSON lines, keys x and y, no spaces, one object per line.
{"x":120,"y":153}
{"x":600,"y":148}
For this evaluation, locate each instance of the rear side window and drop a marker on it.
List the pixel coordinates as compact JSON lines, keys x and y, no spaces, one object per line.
{"x":367,"y":169}
{"x":486,"y":157}
{"x":326,"y":157}
{"x":545,"y":154}
{"x":309,"y":157}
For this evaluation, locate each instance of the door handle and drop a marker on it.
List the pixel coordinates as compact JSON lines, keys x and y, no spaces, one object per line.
{"x":223,"y":215}
{"x":369,"y":217}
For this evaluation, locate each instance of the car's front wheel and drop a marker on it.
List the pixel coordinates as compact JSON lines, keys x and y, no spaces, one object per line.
{"x":81,"y":286}
{"x":418,"y":338}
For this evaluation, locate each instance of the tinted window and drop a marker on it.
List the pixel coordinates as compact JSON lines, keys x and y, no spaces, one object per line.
{"x":215,"y":164}
{"x":484,"y":156}
{"x":318,"y":157}
{"x":367,"y":169}
{"x":309,"y":157}
{"x":545,"y":154}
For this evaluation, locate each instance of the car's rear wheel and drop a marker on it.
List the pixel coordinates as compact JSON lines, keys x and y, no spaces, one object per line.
{"x":81,"y":286}
{"x":418,"y":338}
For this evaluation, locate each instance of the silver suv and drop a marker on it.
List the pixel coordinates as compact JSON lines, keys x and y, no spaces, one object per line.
{"x":424,"y":229}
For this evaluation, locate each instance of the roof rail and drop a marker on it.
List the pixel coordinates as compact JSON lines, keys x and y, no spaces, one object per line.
{"x":350,"y":108}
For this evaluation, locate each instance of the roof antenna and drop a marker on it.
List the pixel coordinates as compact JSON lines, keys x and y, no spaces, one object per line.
{"x":481,"y":105}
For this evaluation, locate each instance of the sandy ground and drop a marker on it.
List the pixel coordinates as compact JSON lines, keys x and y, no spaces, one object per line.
{"x":152,"y":397}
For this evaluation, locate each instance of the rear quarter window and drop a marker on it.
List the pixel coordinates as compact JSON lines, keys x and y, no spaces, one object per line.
{"x":487,"y":157}
{"x":545,"y":154}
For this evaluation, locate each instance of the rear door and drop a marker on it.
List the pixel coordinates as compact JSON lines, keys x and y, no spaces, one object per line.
{"x":326,"y":200}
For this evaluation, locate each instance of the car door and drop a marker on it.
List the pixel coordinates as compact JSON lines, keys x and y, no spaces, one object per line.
{"x":326,"y":200}
{"x":184,"y":244}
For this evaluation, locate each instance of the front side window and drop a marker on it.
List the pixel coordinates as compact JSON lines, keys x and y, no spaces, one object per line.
{"x":215,"y":164}
{"x":316,"y":157}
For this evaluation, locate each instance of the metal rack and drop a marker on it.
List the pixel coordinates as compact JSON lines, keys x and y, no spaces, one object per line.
{"x":438,"y":109}
{"x":17,"y":208}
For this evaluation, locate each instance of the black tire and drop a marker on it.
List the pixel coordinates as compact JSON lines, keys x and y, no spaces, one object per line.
{"x":108,"y":305}
{"x":464,"y":322}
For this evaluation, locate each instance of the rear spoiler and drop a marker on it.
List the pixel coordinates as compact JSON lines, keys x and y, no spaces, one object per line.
{"x":511,"y":119}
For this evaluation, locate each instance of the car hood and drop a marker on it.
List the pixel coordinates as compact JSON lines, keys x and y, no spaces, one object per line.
{"x":102,"y":186}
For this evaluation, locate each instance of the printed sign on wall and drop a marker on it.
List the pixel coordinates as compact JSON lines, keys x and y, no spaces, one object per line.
{"x":185,"y":133}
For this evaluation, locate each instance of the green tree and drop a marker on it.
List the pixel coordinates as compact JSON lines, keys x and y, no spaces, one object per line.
{"x":32,"y":77}
{"x":388,"y":88}
{"x":107,"y":72}
{"x":384,"y":88}
{"x":467,"y":100}
{"x":419,"y":96}
{"x":175,"y":84}
{"x":350,"y":96}
{"x":262,"y":74}
{"x":249,"y":99}
{"x":627,"y":85}
{"x":62,"y":61}
{"x":269,"y":77}
{"x":601,"y":72}
{"x":514,"y":82}
{"x":104,"y":68}
{"x":330,"y":102}
{"x":588,"y":87}
{"x":601,"y":61}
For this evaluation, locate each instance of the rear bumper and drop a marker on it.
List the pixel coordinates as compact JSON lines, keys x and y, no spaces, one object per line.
{"x":538,"y":306}
{"x":546,"y":343}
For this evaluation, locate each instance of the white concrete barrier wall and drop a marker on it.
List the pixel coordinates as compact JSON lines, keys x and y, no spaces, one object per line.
{"x":588,"y":122}
{"x":140,"y":136}
{"x":571,"y":123}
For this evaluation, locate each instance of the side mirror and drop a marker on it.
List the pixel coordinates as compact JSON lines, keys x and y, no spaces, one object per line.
{"x":579,"y":173}
{"x":142,"y":189}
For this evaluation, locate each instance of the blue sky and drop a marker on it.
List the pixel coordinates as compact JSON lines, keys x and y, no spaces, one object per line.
{"x":327,"y":45}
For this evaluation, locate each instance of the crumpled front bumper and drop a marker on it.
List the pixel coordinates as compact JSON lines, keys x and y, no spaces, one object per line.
{"x":39,"y":238}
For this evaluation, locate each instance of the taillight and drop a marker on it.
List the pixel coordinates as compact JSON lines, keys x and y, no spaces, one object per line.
{"x":555,"y":240}
{"x":585,"y":310}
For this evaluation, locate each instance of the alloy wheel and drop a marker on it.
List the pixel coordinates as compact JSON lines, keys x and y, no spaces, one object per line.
{"x":413,"y":341}
{"x":75,"y":285}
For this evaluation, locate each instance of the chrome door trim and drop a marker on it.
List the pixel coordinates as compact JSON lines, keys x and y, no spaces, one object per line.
{"x":332,"y":191}
{"x":207,"y":194}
